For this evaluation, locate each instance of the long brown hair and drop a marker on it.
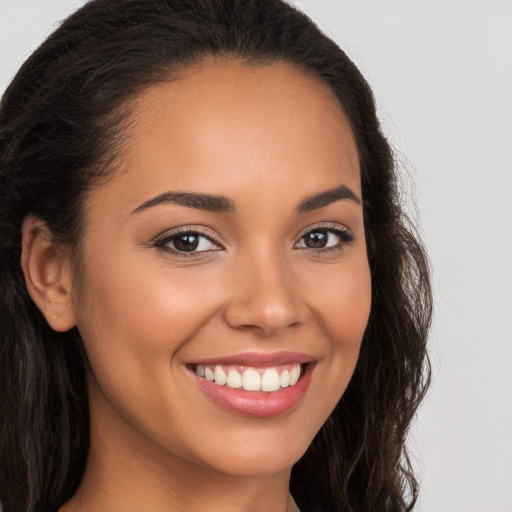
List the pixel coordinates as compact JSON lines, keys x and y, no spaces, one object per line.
{"x":61,"y":121}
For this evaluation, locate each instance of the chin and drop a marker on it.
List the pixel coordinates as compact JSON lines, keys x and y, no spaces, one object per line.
{"x":259,"y":455}
{"x":258,"y":466}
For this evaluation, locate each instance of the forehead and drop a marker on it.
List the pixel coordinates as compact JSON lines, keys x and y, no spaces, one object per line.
{"x":224,"y":125}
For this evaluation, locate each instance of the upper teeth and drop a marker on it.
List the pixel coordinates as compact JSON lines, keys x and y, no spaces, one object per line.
{"x":251,"y":379}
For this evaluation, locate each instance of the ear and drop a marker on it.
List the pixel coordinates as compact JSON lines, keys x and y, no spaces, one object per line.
{"x":48,"y":275}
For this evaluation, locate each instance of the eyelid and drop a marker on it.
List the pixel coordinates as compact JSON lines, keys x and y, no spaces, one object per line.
{"x":163,"y":238}
{"x":160,"y":241}
{"x":328,"y":226}
{"x":342,"y":231}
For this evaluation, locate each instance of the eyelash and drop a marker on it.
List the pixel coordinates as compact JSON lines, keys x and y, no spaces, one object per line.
{"x":344,"y":234}
{"x":163,"y":242}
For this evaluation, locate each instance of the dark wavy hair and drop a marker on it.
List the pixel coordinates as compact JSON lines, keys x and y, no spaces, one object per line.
{"x":61,"y":123}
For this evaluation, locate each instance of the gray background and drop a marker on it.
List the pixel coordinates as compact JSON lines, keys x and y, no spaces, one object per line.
{"x":442,"y":76}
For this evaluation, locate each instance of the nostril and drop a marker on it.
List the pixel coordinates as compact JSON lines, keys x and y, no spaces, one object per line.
{"x":263,"y":320}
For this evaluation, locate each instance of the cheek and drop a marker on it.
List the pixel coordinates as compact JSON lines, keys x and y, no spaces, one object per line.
{"x":134,"y":319}
{"x":341,"y":309}
{"x":342,"y":304}
{"x":129,"y":305}
{"x":347,"y":323}
{"x":346,"y":312}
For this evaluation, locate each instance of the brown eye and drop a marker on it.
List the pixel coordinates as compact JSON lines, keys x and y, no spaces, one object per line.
{"x":316,"y":239}
{"x":187,"y":242}
{"x":325,"y":239}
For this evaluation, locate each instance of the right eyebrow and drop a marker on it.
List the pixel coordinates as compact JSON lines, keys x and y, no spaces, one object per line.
{"x":327,"y":197}
{"x":218,"y":204}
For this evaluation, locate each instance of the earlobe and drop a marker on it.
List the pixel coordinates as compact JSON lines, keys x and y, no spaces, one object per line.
{"x":48,"y":275}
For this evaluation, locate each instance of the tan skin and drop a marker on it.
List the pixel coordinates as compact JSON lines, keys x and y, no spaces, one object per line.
{"x":266,"y":137}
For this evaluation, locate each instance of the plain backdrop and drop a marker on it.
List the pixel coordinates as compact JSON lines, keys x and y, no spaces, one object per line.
{"x":441,"y":71}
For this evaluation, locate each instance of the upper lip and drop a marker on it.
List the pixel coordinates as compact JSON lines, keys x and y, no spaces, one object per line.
{"x":258,"y":359}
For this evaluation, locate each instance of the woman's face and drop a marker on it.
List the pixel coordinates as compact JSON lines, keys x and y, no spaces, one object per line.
{"x":229,"y":244}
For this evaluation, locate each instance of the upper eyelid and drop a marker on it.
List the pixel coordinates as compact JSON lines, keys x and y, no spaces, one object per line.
{"x":343,"y":232}
{"x":170,"y":233}
{"x":214,"y":238}
{"x":167,"y":237}
{"x":328,"y":226}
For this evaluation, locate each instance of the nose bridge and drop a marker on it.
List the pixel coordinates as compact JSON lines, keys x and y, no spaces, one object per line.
{"x":263,"y":296}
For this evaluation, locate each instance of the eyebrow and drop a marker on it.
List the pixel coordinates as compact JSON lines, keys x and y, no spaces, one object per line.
{"x":218,"y":204}
{"x":221,"y":204}
{"x":327,"y":197}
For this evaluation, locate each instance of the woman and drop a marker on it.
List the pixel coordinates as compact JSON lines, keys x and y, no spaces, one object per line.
{"x":219,"y":304}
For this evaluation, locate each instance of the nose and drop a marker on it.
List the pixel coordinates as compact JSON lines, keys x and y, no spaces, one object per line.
{"x":263,"y":297}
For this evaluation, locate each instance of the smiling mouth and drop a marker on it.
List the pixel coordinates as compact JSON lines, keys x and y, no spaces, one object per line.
{"x":249,"y":378}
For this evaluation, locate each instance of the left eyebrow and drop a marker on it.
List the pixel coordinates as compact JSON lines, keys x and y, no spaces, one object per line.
{"x":217,"y":204}
{"x":327,"y":197}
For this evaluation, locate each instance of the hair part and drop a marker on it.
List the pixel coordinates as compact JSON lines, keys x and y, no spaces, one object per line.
{"x":62,"y":123}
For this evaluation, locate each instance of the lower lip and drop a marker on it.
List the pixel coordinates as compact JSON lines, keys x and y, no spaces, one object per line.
{"x":259,"y":404}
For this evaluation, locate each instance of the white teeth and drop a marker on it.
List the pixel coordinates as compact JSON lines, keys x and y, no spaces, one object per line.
{"x":220,"y":376}
{"x":270,"y":380}
{"x":251,"y":380}
{"x":294,"y":375}
{"x":234,"y":379}
{"x":285,"y":379}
